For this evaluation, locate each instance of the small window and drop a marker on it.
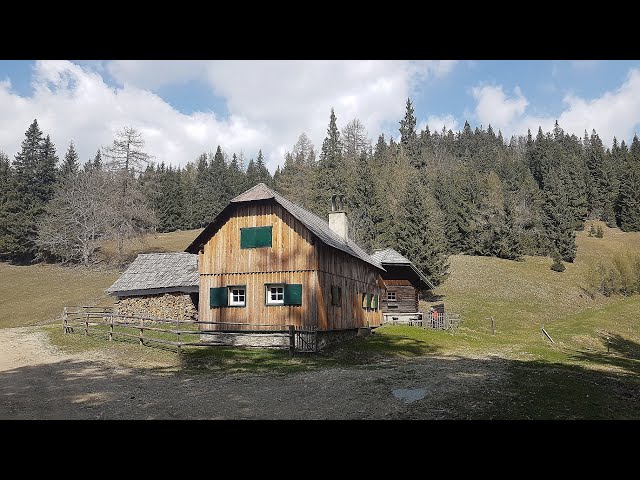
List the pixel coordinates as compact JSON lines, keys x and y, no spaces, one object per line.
{"x":336,"y":295}
{"x":364,"y":300}
{"x":391,"y":296}
{"x":237,"y":296}
{"x":275,"y":294}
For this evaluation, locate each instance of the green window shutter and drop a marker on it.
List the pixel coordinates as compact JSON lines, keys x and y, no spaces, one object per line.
{"x":255,"y":237}
{"x":375,"y":302}
{"x":369,"y":298}
{"x":293,"y":294}
{"x":219,"y":297}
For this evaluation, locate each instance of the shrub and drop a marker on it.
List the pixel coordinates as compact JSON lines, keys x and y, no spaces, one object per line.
{"x":557,"y":265}
{"x":617,"y":276}
{"x":599,"y":232}
{"x":592,"y":231}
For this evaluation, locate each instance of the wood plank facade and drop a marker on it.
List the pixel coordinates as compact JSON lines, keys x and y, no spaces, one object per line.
{"x":295,"y":256}
{"x":401,"y":297}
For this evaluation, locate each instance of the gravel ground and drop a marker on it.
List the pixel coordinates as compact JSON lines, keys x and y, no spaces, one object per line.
{"x":39,"y":382}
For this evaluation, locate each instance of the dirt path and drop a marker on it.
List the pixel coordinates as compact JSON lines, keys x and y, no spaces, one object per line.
{"x":39,"y":382}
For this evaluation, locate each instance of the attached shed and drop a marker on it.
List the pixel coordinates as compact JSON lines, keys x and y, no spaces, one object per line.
{"x":402,"y":281}
{"x":159,"y":285}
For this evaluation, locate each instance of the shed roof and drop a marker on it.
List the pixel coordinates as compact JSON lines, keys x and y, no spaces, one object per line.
{"x":318,"y":226}
{"x":158,"y":272}
{"x":390,"y":257}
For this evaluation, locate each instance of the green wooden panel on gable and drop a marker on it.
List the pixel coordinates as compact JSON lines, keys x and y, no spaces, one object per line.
{"x":293,"y":294}
{"x":255,"y":237}
{"x":219,"y":297}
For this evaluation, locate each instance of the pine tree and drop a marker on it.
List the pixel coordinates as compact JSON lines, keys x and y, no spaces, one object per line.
{"x":70,"y":165}
{"x":262,"y":174}
{"x":364,"y":210}
{"x":33,"y":182}
{"x":169,"y":201}
{"x":236,"y":178}
{"x":408,"y":136}
{"x":252,"y":174}
{"x":331,"y":176}
{"x":419,"y":233}
{"x":628,"y":203}
{"x":558,"y":218}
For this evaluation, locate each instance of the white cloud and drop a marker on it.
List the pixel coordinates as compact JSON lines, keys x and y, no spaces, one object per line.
{"x":269,"y":103}
{"x":436,"y":123}
{"x":74,"y":103}
{"x":495,"y":109}
{"x":615,"y":113}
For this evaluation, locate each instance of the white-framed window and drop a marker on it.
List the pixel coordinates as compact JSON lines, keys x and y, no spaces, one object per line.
{"x":391,"y":295}
{"x":275,"y":294}
{"x":237,"y":296}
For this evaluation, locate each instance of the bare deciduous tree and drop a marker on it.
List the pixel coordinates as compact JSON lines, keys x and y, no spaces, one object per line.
{"x":76,"y":221}
{"x":126,"y":152}
{"x":355,"y":139}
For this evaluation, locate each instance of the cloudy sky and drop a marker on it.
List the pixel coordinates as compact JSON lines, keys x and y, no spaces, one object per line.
{"x":186,"y":107}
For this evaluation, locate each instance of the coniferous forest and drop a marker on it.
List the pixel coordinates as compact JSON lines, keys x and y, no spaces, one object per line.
{"x":429,"y":195}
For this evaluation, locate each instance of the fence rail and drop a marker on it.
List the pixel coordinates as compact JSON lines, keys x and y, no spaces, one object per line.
{"x":301,"y":339}
{"x":440,"y":321}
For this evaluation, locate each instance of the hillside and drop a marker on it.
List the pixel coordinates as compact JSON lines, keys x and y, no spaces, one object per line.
{"x":35,"y":294}
{"x":524,"y":296}
{"x":521,"y":296}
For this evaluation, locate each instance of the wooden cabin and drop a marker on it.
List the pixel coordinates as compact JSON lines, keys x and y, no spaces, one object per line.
{"x":163,"y":285}
{"x":267,"y":262}
{"x":402,"y":282}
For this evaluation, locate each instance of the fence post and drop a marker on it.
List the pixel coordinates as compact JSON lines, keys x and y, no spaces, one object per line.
{"x":86,"y":324}
{"x":64,"y":320}
{"x":292,"y":340}
{"x":492,"y":327}
{"x":111,"y":328}
{"x":141,"y":338}
{"x":178,"y":336}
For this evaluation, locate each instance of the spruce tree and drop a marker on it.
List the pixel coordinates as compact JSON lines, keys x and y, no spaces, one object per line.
{"x":419,"y":232}
{"x":331,"y":176}
{"x":628,"y":203}
{"x":32,"y":187}
{"x":262,"y":174}
{"x":70,"y":165}
{"x":408,"y":135}
{"x":558,"y":218}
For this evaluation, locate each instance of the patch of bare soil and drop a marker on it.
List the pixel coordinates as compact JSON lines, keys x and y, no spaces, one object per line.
{"x":39,"y":382}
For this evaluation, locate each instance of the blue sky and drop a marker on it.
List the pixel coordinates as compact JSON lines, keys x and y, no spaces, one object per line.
{"x":186,"y":107}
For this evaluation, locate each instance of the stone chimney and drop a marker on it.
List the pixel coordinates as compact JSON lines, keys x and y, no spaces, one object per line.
{"x":338,"y":217}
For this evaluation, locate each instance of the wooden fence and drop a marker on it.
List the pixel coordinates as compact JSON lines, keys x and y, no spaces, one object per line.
{"x":82,"y":318}
{"x":441,"y":321}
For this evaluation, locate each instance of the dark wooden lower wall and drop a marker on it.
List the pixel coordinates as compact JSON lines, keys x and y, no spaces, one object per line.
{"x":406,"y":299}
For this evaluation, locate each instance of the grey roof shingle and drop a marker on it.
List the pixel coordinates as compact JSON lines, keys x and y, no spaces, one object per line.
{"x":317,"y":225}
{"x":389,"y":256}
{"x":158,"y":270}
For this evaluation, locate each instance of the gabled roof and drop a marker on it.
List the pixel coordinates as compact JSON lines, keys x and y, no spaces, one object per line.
{"x":390,"y":257}
{"x":157,"y":273}
{"x":317,"y":226}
